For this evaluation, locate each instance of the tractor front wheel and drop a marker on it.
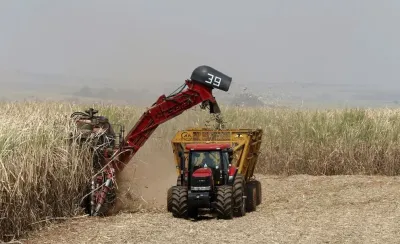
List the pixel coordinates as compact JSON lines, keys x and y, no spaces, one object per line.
{"x":179,"y":203}
{"x":224,"y":202}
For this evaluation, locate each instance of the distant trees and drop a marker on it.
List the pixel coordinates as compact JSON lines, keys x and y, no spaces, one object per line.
{"x":84,"y":92}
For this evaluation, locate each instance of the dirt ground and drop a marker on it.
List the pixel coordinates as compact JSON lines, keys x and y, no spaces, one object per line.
{"x":296,"y":209}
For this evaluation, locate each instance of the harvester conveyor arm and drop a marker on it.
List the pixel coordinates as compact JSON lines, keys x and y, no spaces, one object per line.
{"x":164,"y":109}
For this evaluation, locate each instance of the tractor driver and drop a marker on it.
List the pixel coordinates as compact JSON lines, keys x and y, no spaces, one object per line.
{"x":208,"y":161}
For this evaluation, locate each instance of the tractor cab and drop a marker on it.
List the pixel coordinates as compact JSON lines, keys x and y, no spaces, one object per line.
{"x":208,"y":165}
{"x":215,"y":169}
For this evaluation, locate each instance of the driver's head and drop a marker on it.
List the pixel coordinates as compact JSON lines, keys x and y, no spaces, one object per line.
{"x":208,"y":157}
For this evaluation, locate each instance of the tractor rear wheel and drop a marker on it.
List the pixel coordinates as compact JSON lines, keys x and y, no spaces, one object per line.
{"x":238,"y":196}
{"x":251,"y":200}
{"x":179,"y":203}
{"x":224,"y":202}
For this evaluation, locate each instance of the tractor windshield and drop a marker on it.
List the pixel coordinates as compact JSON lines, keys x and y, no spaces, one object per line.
{"x":206,"y":159}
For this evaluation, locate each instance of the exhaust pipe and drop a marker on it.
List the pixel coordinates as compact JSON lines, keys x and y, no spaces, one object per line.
{"x":182,"y":166}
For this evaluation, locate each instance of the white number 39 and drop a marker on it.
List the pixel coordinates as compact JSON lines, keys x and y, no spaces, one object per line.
{"x":214,"y":80}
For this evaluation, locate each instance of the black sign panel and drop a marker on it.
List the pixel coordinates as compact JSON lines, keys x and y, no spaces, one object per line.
{"x":211,"y":77}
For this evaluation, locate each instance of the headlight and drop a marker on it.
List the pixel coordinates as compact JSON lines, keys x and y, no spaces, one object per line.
{"x":200,"y":188}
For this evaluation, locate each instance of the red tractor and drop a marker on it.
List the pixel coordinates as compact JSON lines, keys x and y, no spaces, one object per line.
{"x":216,"y":175}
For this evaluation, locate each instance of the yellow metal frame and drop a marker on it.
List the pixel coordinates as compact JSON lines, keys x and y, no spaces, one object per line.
{"x":244,"y":142}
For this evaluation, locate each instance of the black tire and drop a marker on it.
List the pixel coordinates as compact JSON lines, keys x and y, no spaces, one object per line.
{"x":224,"y":202}
{"x":251,"y":200}
{"x":259,"y":192}
{"x":238,"y":196}
{"x":169,"y":199}
{"x":179,"y":203}
{"x":169,"y":194}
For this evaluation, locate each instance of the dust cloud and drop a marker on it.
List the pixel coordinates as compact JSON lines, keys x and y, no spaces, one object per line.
{"x":144,"y":182}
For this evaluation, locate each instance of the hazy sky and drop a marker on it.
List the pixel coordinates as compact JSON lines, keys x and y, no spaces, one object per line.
{"x":163,"y":41}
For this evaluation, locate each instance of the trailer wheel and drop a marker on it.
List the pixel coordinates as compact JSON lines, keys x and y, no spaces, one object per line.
{"x":179,"y":203}
{"x":259,"y":192}
{"x":238,"y":196}
{"x":251,"y":200}
{"x":169,"y":199}
{"x":224,"y":202}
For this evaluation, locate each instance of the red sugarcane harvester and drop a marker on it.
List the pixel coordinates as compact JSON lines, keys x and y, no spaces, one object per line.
{"x":112,"y":154}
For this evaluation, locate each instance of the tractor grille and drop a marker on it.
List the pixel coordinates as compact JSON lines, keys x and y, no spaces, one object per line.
{"x":201,"y":184}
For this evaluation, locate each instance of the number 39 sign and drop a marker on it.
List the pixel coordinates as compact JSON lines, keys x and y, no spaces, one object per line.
{"x":211,"y":77}
{"x":213,"y":80}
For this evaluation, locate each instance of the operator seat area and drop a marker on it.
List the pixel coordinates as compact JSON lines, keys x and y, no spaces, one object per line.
{"x":208,"y":159}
